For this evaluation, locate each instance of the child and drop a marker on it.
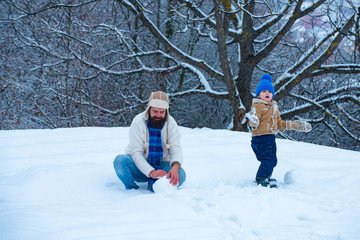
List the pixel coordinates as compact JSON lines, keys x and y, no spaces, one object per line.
{"x":265,"y":120}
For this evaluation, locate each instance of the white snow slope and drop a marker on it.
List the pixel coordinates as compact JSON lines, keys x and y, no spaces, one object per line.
{"x":60,"y":184}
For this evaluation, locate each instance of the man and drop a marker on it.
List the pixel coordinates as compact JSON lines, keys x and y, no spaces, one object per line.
{"x":154,"y":148}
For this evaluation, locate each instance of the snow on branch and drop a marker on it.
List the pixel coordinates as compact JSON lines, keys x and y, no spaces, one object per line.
{"x":48,"y":7}
{"x":46,"y":116}
{"x":331,"y":97}
{"x":296,"y":14}
{"x":207,"y":88}
{"x":125,"y":72}
{"x":275,"y":18}
{"x":305,"y":56}
{"x":332,"y":129}
{"x":343,"y":91}
{"x":32,"y":43}
{"x":326,"y":111}
{"x":48,"y":65}
{"x":199,"y":63}
{"x":289,"y":80}
{"x":347,"y":115}
{"x":66,"y":34}
{"x":200,"y":14}
{"x":203,"y":81}
{"x":337,"y":68}
{"x":95,"y":105}
{"x":137,"y":56}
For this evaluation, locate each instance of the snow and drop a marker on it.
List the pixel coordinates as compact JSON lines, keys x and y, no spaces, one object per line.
{"x":163,"y":185}
{"x":60,"y":184}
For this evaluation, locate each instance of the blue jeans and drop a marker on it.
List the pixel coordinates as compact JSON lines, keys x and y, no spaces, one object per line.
{"x":264,"y":147}
{"x":129,"y":174}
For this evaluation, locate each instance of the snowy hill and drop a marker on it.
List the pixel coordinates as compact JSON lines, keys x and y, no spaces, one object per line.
{"x":60,"y":184}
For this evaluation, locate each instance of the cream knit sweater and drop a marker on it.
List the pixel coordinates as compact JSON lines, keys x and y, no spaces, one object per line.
{"x":138,"y":146}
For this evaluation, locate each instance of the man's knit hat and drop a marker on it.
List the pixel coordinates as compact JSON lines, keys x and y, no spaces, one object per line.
{"x":159,"y":100}
{"x":265,"y":84}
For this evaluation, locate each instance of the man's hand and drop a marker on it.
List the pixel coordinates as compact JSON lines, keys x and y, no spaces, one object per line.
{"x":155,"y":174}
{"x":173,"y":174}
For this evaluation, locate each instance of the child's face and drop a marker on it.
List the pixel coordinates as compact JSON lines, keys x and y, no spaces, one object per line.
{"x":266,"y":95}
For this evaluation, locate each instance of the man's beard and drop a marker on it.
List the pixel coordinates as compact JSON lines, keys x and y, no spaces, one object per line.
{"x":157,"y":122}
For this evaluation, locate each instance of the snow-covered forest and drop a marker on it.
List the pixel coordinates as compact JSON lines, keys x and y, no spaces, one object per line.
{"x":70,"y":63}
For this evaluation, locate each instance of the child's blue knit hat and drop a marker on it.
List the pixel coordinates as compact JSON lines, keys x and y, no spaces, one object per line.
{"x":265,"y":84}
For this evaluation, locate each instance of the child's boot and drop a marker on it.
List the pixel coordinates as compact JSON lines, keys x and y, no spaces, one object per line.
{"x":263,"y":181}
{"x":273,"y":183}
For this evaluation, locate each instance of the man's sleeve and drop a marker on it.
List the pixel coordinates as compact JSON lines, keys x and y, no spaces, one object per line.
{"x":175,"y":142}
{"x":137,"y":137}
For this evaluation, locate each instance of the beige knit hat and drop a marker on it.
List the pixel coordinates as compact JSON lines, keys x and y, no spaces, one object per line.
{"x":159,"y":100}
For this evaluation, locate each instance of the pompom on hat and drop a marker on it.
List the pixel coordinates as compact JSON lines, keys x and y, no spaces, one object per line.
{"x":159,"y":100}
{"x":265,"y":84}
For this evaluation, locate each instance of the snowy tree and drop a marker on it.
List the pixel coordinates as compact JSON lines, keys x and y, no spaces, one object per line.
{"x":95,"y":62}
{"x":304,"y":44}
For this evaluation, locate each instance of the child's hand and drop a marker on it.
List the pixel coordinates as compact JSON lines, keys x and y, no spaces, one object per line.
{"x":300,"y":125}
{"x":305,"y":126}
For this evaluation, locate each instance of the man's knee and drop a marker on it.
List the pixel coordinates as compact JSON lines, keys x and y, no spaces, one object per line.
{"x":182,"y":176}
{"x":121,"y":161}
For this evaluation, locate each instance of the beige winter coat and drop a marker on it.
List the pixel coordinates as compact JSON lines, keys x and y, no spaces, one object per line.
{"x":264,"y":118}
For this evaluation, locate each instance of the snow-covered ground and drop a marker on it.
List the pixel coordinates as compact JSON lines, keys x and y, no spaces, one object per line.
{"x":60,"y":184}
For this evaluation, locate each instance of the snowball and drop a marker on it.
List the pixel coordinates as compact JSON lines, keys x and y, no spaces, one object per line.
{"x":289,"y":177}
{"x":163,"y":185}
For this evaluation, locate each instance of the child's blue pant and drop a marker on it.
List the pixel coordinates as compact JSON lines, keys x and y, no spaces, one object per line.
{"x":264,"y":147}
